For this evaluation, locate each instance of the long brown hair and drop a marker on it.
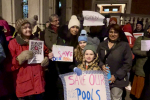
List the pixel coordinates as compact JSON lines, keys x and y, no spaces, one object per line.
{"x":78,"y":54}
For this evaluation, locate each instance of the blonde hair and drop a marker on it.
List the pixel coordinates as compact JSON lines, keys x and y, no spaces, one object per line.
{"x":92,"y":66}
{"x":78,"y":54}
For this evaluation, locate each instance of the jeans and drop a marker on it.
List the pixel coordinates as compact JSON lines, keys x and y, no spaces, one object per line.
{"x":116,"y":93}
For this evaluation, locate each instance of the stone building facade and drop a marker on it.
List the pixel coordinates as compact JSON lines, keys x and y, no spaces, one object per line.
{"x":11,"y":10}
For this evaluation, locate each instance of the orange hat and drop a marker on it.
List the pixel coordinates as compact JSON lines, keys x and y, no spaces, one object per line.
{"x":113,"y":19}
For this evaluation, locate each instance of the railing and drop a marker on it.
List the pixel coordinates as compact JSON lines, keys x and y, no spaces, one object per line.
{"x":130,"y":18}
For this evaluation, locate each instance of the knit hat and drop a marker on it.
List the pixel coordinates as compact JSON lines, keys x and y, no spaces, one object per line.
{"x":113,"y":19}
{"x":140,"y":22}
{"x":19,"y":23}
{"x":33,"y":20}
{"x":73,"y":22}
{"x":90,"y":47}
{"x":83,"y":36}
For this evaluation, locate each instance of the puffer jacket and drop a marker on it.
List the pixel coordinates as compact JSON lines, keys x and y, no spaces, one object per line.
{"x":141,"y":56}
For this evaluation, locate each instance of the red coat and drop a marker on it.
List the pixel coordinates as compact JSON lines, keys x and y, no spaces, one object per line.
{"x":29,"y":78}
{"x":128,"y":32}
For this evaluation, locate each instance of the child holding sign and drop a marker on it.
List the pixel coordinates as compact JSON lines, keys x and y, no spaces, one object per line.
{"x":90,"y":59}
{"x":78,"y":52}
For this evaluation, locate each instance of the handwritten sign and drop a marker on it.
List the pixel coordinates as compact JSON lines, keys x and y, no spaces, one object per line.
{"x":92,"y":18}
{"x":91,"y":85}
{"x":62,"y":53}
{"x":145,"y":45}
{"x":136,"y":35}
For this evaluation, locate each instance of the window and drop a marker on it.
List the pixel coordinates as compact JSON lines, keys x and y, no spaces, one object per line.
{"x":115,"y":9}
{"x":59,"y":4}
{"x":106,"y":10}
{"x":25,"y":8}
{"x":111,"y":9}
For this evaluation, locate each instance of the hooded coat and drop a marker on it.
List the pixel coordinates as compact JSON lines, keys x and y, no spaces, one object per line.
{"x":7,"y":29}
{"x":129,"y":34}
{"x":28,"y":78}
{"x":141,"y":56}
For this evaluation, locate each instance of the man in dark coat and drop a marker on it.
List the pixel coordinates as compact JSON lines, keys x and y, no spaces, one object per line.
{"x":50,"y":38}
{"x":139,"y":27}
{"x":51,"y":32}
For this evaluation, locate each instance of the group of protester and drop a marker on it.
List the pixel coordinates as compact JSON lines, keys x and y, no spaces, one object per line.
{"x":111,"y":47}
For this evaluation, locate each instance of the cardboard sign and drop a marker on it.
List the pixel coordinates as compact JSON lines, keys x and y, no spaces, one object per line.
{"x":62,"y":53}
{"x":37,"y":47}
{"x":92,"y":18}
{"x":91,"y":85}
{"x":145,"y":45}
{"x":136,"y":35}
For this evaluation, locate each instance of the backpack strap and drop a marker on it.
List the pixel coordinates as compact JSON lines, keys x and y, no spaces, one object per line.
{"x":109,"y":51}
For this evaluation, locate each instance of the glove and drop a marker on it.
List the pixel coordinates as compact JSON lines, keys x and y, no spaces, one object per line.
{"x":78,"y":71}
{"x":25,"y":55}
{"x":148,"y":53}
{"x":45,"y":62}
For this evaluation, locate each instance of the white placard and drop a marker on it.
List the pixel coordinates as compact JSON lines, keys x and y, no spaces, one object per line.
{"x":38,"y":50}
{"x":92,"y":18}
{"x":145,"y":45}
{"x":91,"y":85}
{"x":62,"y":53}
{"x":136,"y":35}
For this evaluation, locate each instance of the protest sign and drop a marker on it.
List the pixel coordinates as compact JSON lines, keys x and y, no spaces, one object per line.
{"x":145,"y":45}
{"x":62,"y":53}
{"x":136,"y":35}
{"x":37,"y":47}
{"x":91,"y":85}
{"x":92,"y":18}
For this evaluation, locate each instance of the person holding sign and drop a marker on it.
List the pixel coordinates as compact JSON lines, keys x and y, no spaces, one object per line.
{"x":67,"y":36}
{"x":78,"y":52}
{"x":90,"y":59}
{"x":116,"y":53}
{"x":28,"y":77}
{"x":141,"y":57}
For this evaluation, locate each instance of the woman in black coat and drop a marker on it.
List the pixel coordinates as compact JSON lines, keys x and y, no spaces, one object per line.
{"x":67,"y":36}
{"x":115,"y":53}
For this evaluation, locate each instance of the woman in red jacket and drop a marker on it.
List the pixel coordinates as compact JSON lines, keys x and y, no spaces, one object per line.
{"x":28,"y":77}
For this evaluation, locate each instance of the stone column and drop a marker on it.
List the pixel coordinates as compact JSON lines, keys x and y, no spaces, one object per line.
{"x":0,"y":7}
{"x":68,"y":9}
{"x":42,"y":8}
{"x":11,"y":10}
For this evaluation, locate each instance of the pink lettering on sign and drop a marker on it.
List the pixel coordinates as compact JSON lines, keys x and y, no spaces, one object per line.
{"x":65,"y":54}
{"x":71,"y":79}
{"x":92,"y":79}
{"x":96,"y":80}
{"x":77,"y":80}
